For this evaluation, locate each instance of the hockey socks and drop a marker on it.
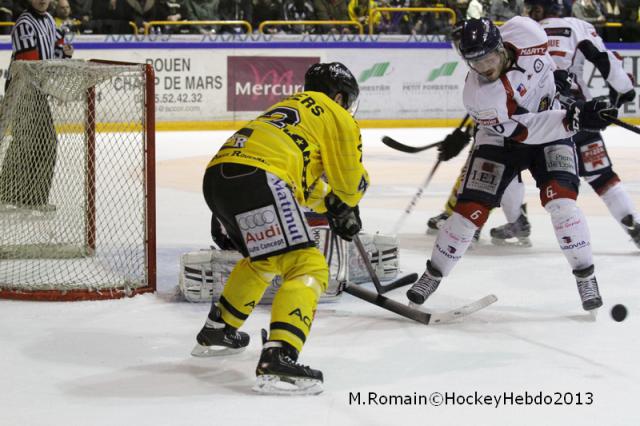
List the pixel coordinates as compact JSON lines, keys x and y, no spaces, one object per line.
{"x":571,"y":231}
{"x":453,"y":241}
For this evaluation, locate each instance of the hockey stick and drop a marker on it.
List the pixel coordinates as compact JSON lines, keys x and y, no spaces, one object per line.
{"x":618,"y":122}
{"x":415,"y":199}
{"x":404,"y":310}
{"x":392,"y":143}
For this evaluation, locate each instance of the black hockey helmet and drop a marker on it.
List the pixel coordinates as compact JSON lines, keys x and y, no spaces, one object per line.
{"x":478,"y":37}
{"x":333,"y":78}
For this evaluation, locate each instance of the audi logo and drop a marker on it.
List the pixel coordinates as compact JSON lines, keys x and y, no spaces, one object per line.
{"x":255,"y":220}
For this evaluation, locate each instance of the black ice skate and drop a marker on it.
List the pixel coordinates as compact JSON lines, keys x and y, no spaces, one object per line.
{"x":588,"y":288}
{"x":425,"y":286}
{"x":435,"y":223}
{"x":217,"y":338}
{"x":516,"y":233}
{"x":278,"y":372}
{"x":633,"y":228}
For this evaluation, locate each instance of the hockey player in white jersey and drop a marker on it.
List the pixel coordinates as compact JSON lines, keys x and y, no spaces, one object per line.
{"x":510,"y":93}
{"x":571,"y":42}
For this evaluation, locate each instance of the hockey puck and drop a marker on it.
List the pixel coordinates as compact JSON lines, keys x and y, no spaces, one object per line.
{"x":619,"y":313}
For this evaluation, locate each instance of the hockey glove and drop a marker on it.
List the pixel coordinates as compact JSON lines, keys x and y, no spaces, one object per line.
{"x":564,"y":82}
{"x":453,"y":144}
{"x":589,"y":116}
{"x":343,"y":220}
{"x":619,"y":99}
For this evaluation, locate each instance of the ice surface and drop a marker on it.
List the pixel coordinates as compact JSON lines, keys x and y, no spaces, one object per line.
{"x":127,"y":362}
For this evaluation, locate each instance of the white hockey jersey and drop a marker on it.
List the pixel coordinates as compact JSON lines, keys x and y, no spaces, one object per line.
{"x":569,"y":39}
{"x":521,"y":104}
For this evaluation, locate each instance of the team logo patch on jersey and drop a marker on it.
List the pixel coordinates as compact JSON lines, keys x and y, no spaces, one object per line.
{"x":544,"y":104}
{"x":485,"y":176}
{"x":485,"y":117}
{"x":521,"y":89}
{"x":594,"y":156}
{"x":533,"y":51}
{"x":261,"y":231}
{"x":538,"y":65}
{"x":560,"y":158}
{"x":558,"y":32}
{"x":293,"y":222}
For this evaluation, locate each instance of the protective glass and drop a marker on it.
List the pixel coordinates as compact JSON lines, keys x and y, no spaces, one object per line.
{"x":353,"y":108}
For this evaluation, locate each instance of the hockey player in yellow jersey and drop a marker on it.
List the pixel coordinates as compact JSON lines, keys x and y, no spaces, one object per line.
{"x":304,"y":151}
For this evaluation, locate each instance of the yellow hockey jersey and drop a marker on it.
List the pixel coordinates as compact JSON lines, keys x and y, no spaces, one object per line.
{"x":302,"y":139}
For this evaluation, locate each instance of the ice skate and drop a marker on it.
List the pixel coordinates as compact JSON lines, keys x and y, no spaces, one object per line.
{"x":513,"y":234}
{"x":633,"y":228}
{"x":588,"y":288}
{"x":278,"y":372}
{"x":425,"y":286}
{"x":435,"y":223}
{"x":217,"y":338}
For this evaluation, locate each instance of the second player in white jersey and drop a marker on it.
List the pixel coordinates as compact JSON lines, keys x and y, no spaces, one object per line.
{"x":572,"y":42}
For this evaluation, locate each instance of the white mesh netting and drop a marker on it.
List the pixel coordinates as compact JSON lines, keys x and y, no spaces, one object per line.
{"x":73,"y":205}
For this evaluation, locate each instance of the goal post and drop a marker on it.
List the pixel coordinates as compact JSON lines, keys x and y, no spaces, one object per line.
{"x":77,"y":181}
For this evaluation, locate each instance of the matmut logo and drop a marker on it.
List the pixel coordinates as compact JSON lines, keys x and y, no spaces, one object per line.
{"x":533,"y":51}
{"x":257,"y":82}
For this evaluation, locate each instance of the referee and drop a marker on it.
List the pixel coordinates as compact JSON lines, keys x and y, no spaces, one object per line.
{"x":27,"y":172}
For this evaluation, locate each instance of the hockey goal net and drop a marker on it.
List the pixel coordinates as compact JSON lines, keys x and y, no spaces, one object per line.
{"x":77,"y":193}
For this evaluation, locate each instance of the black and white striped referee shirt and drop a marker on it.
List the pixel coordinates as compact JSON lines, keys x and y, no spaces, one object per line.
{"x":35,"y":37}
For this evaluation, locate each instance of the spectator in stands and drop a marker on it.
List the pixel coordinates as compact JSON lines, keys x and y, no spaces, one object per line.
{"x":503,"y":10}
{"x":432,"y":23}
{"x":332,"y":10}
{"x":299,"y":10}
{"x":629,"y":15}
{"x":588,"y":10}
{"x":81,"y":9}
{"x":236,"y":10}
{"x":359,"y":10}
{"x":6,"y":15}
{"x":106,"y":19}
{"x":394,"y":22}
{"x":268,"y":10}
{"x":611,"y":10}
{"x":201,"y":10}
{"x":63,"y":19}
{"x":142,"y":11}
{"x":475,"y":10}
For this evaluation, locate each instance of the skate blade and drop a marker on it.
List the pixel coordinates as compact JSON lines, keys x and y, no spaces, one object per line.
{"x":202,"y":351}
{"x":518,"y":242}
{"x":269,"y":384}
{"x":431,"y":231}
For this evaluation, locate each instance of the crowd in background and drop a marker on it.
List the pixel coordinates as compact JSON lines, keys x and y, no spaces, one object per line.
{"x":114,"y":16}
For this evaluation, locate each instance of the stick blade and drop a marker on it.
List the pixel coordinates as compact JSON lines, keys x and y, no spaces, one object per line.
{"x":449,"y":316}
{"x":389,"y":304}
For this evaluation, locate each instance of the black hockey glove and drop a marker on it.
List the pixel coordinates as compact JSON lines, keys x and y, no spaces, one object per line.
{"x":453,"y":144}
{"x":588,"y":116}
{"x":343,"y":220}
{"x":221,"y":239}
{"x":619,"y":99}
{"x":563,"y":81}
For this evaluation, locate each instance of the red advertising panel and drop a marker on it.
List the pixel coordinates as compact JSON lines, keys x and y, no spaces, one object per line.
{"x":257,"y":82}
